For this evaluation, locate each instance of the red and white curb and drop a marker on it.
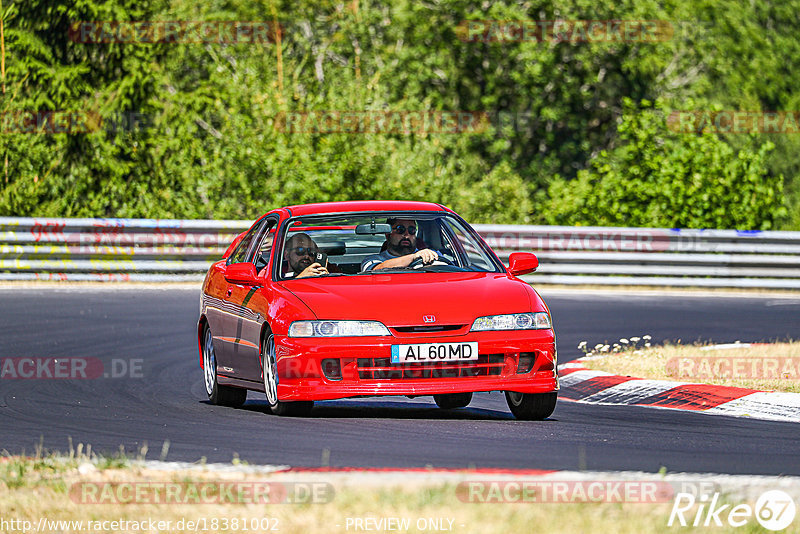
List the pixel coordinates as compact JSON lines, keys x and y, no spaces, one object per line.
{"x":597,"y":387}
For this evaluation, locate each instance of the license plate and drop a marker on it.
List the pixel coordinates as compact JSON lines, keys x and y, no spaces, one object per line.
{"x":435,"y":352}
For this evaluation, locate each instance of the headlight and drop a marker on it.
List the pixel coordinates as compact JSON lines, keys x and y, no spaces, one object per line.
{"x":337,"y":328}
{"x":512,"y":321}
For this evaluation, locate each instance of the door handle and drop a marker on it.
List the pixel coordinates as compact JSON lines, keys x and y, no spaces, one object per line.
{"x":228,"y":293}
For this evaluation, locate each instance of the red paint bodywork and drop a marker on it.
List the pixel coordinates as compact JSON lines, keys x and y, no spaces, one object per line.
{"x":397,"y":300}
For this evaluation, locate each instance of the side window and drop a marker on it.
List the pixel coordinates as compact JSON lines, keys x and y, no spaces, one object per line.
{"x":475,"y":257}
{"x":444,"y":243}
{"x":264,"y":250}
{"x":240,"y":254}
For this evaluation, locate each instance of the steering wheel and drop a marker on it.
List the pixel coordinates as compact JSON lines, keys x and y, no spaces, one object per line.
{"x":418,"y":263}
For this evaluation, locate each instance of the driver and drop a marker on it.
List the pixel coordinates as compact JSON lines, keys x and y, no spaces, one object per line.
{"x":401,"y":248}
{"x":300,"y":253}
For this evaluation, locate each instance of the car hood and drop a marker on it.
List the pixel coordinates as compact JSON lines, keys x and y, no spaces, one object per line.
{"x":404,"y":299}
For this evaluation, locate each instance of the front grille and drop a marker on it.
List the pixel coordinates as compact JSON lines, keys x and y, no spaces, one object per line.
{"x":382,"y":368}
{"x":434,"y":328}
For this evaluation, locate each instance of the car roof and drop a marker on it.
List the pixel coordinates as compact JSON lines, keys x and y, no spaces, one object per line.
{"x":364,"y":205}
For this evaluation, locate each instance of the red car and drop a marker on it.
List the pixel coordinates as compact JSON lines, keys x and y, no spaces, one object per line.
{"x":351,"y":299}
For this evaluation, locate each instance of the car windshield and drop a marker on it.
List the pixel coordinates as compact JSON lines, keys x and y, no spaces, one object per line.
{"x":354,"y":244}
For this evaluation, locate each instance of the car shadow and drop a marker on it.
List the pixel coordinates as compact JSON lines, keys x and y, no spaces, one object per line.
{"x":388,"y":410}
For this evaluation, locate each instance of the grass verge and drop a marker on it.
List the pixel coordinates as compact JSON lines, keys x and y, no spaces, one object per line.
{"x":767,"y":367}
{"x":40,"y":489}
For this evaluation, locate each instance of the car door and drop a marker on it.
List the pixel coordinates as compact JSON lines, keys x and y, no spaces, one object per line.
{"x":219,"y":311}
{"x":224,"y":316}
{"x":241,"y":330}
{"x":247,"y":355}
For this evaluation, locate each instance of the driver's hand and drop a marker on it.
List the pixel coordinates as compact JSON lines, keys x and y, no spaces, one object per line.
{"x":427,"y":255}
{"x":315,"y":269}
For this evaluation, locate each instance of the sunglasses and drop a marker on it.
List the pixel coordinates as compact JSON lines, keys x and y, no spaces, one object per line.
{"x":305,"y":251}
{"x":400,"y":229}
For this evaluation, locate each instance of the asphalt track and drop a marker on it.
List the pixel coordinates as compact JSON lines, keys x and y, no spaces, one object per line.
{"x":167,"y":403}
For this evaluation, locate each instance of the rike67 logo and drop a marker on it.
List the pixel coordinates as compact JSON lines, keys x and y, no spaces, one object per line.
{"x":774,"y":510}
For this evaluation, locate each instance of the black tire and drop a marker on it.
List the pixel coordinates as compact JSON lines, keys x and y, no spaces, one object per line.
{"x":448,"y":401}
{"x":531,"y":406}
{"x":269,"y":374}
{"x":217,"y":394}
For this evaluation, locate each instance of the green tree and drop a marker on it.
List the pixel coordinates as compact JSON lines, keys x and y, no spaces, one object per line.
{"x":213,"y":149}
{"x":676,"y":180}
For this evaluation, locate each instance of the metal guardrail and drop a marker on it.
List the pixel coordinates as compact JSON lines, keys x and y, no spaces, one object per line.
{"x":182,"y":250}
{"x":112,"y":249}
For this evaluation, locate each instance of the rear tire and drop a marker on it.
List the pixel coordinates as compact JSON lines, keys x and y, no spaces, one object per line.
{"x":449,"y":401}
{"x":217,"y":394}
{"x":269,"y":372}
{"x":531,"y":406}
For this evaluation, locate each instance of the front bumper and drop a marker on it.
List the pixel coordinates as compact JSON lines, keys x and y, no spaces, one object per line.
{"x":366,"y":371}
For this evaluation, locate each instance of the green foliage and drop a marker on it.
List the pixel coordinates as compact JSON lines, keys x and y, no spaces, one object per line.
{"x":563,"y":146}
{"x":676,"y":180}
{"x":500,"y":196}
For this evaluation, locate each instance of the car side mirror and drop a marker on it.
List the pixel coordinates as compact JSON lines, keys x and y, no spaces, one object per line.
{"x":241,"y":273}
{"x":522,"y":263}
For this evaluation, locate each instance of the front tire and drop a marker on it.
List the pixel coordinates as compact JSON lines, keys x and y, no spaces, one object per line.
{"x":531,"y":406}
{"x":269,"y":367}
{"x":217,"y":394}
{"x":449,"y":401}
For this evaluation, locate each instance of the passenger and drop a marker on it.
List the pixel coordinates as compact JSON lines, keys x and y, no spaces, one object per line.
{"x":401,"y":248}
{"x":300,"y":254}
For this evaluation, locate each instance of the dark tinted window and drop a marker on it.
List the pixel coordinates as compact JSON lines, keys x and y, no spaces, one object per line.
{"x":261,"y":258}
{"x":240,"y":254}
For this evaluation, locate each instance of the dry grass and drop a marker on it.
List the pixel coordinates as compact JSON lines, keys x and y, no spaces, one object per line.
{"x":36,"y":488}
{"x":770,"y":367}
